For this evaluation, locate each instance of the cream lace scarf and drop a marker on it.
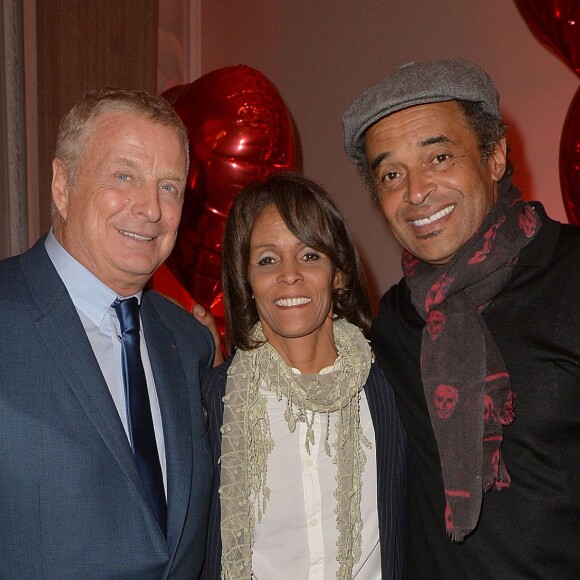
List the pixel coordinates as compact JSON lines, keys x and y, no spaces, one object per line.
{"x":247,"y":441}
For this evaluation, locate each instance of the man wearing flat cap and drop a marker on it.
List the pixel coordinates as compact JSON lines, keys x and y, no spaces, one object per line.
{"x":480,"y":339}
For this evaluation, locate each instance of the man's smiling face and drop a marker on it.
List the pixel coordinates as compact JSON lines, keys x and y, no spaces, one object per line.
{"x":432,"y":184}
{"x":120,"y":216}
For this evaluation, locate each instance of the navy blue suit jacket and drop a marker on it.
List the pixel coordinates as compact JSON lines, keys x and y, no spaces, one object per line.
{"x":72,"y":504}
{"x":392,"y":467}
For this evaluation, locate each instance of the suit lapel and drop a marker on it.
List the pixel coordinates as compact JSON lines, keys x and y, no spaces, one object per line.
{"x":66,"y":341}
{"x":379,"y":416}
{"x":171,"y":385}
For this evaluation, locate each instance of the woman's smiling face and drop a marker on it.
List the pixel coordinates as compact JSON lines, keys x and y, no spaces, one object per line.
{"x":291,"y":282}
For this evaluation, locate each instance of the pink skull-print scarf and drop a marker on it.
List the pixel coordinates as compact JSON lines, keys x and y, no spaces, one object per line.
{"x":465,"y":380}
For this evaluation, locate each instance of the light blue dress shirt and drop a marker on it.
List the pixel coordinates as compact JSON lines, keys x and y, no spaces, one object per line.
{"x":93,"y":300}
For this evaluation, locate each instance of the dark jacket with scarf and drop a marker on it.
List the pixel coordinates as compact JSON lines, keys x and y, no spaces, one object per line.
{"x":531,"y":529}
{"x":392,"y":469}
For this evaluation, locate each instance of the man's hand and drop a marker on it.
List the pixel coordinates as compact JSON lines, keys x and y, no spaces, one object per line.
{"x":206,"y":318}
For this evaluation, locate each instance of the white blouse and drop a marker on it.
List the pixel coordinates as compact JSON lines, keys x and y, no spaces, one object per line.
{"x":297,"y":538}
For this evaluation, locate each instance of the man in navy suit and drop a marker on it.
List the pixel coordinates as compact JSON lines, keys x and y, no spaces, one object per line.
{"x":480,"y":339}
{"x":72,"y":501}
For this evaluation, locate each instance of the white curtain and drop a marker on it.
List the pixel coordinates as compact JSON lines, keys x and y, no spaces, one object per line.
{"x":13,"y":188}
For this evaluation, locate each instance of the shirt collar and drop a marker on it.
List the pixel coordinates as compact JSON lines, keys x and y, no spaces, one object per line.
{"x":89,"y":295}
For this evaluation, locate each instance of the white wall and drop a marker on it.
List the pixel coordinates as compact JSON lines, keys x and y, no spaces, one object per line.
{"x":322,"y":53}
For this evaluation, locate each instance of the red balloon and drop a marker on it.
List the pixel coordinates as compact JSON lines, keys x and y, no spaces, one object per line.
{"x":570,"y":160}
{"x":556,"y":23}
{"x":239,"y":131}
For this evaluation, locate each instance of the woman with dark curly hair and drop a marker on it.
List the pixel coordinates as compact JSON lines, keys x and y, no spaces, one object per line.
{"x":311,"y":457}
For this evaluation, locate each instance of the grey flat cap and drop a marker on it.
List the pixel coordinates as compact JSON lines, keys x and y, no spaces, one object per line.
{"x":416,"y":84}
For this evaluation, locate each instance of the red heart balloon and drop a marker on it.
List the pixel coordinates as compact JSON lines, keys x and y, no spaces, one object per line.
{"x":556,"y":23}
{"x":570,"y":161}
{"x":239,"y":131}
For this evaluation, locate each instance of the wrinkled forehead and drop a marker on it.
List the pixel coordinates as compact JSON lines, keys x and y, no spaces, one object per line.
{"x":419,"y":127}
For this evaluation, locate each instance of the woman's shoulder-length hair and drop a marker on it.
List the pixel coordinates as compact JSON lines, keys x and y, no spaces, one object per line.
{"x":314,"y":219}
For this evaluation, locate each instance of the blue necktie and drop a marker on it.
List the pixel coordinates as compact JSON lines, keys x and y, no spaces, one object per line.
{"x":140,"y":422}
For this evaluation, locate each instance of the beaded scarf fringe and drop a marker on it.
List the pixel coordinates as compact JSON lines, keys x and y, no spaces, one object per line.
{"x":247,"y":441}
